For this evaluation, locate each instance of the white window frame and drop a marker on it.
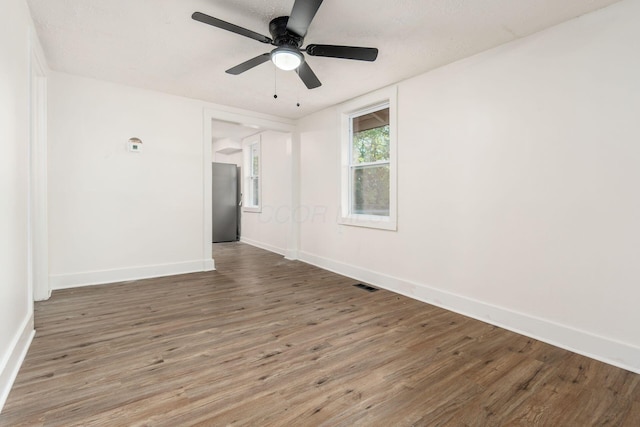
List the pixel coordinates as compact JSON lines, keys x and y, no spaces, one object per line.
{"x":248,"y":145}
{"x":365,"y":104}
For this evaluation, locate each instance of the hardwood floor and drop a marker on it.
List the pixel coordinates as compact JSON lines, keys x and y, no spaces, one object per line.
{"x":266,"y":341}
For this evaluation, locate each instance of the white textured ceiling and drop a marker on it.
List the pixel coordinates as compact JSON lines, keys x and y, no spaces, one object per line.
{"x":154,"y":44}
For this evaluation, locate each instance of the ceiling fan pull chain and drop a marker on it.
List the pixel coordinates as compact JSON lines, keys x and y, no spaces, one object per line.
{"x":275,"y":83}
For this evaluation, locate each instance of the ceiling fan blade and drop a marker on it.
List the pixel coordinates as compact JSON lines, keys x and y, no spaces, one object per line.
{"x":247,"y":65}
{"x":308,"y":76}
{"x":301,"y":16}
{"x":346,"y":52}
{"x":230,"y":27}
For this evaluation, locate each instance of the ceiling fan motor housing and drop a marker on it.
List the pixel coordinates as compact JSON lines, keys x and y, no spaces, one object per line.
{"x":281,"y":36}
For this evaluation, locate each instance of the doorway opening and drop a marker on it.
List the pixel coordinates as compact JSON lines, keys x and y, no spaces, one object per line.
{"x":227,"y":186}
{"x":224,"y":133}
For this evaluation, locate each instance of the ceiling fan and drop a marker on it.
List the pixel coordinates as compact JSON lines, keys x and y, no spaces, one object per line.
{"x":288,"y":34}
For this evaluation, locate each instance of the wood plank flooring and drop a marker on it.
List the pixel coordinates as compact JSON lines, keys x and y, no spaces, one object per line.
{"x":268,"y":342}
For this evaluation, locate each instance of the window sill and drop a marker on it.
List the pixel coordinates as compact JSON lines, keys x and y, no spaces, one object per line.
{"x":370,"y":221}
{"x":256,"y":209}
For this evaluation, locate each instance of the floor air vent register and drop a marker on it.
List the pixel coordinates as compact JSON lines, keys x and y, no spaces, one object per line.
{"x":365,"y":287}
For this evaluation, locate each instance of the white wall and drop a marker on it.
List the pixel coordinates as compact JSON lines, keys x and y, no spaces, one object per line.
{"x":113,"y":214}
{"x":270,"y":228}
{"x":116,"y":215}
{"x":518,"y":197}
{"x":16,"y":306}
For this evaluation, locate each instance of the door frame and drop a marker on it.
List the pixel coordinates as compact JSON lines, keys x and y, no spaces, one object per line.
{"x":38,"y":231}
{"x":263,"y":123}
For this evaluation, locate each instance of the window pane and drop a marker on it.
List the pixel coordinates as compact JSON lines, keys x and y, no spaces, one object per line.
{"x":255,"y":161}
{"x":254,"y":192}
{"x":370,"y":190}
{"x":370,"y":139}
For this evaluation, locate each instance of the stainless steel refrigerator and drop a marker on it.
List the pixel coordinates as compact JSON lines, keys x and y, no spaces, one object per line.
{"x":226,"y":202}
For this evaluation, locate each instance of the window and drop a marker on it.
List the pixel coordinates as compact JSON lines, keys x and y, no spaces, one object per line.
{"x":252,"y":202}
{"x":369,"y":162}
{"x":368,"y":159}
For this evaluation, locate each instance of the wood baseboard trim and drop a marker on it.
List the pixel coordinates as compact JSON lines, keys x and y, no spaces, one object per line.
{"x":607,"y":350}
{"x":14,"y":357}
{"x":264,"y":246}
{"x":74,"y":280}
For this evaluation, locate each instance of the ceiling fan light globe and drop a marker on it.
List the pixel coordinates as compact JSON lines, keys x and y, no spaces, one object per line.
{"x":286,"y":59}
